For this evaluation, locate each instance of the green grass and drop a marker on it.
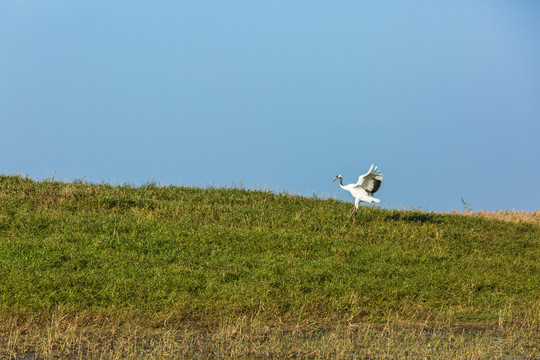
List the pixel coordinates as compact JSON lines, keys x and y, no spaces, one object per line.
{"x":179,"y":255}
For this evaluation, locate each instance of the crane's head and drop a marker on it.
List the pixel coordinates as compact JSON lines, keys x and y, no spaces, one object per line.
{"x":337,"y":177}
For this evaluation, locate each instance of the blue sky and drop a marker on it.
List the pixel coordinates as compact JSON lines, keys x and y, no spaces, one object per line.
{"x":443,"y":96}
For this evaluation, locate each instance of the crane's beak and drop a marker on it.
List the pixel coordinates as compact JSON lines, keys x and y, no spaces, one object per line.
{"x":335,"y":179}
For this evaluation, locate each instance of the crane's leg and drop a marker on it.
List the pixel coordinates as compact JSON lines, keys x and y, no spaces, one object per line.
{"x":353,"y":213}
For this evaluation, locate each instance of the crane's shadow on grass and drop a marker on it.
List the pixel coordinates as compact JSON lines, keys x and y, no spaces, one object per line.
{"x":404,"y":216}
{"x":413,"y":217}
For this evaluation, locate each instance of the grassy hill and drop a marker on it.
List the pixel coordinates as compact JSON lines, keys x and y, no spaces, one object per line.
{"x":174,"y":271}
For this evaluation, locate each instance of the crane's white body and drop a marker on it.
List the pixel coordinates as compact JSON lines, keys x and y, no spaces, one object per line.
{"x":366,"y":186}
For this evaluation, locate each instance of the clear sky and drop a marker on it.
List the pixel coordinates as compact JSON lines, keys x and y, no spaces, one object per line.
{"x":443,"y":96}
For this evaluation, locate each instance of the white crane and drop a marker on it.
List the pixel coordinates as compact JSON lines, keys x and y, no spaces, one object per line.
{"x":363,"y":190}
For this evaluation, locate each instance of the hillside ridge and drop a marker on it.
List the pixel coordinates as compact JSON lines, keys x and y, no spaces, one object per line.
{"x":184,"y":256}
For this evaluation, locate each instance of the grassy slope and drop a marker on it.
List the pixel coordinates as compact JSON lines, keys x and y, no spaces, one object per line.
{"x":210,"y":254}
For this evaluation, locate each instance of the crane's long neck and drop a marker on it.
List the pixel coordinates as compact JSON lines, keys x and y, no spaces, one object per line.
{"x":341,"y":181}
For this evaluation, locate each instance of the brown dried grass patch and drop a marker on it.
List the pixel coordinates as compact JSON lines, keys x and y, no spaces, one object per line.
{"x":66,"y":334}
{"x":507,"y":215}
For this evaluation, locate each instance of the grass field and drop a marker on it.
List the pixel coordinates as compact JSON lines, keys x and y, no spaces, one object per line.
{"x":100,"y":271}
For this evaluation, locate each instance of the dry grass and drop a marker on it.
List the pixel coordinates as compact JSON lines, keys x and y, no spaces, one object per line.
{"x":65,"y":334}
{"x":511,"y":216}
{"x":505,"y":215}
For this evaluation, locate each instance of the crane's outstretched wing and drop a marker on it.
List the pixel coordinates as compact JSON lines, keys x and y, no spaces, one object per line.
{"x":370,"y":181}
